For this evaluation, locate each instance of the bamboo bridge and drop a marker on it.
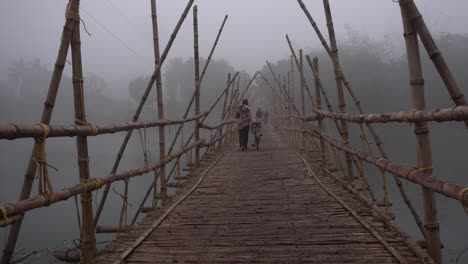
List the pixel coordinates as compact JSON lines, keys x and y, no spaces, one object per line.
{"x":303,"y":198}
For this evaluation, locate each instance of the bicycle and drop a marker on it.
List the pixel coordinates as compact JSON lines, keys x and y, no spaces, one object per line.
{"x":256,"y":129}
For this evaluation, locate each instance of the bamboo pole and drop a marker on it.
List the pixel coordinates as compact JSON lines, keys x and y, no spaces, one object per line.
{"x":339,"y":83}
{"x":451,"y":190}
{"x":318,"y":104}
{"x":14,"y":131}
{"x":417,"y":22}
{"x":223,"y":112}
{"x":160,"y":107}
{"x":39,"y":201}
{"x":151,"y":82}
{"x":87,"y":235}
{"x":303,"y":84}
{"x":458,"y":113}
{"x":422,"y":135}
{"x":197,"y":84}
{"x":45,"y":119}
{"x":361,"y":111}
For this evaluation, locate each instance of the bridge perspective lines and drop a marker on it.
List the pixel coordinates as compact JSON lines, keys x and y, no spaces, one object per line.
{"x":262,"y":207}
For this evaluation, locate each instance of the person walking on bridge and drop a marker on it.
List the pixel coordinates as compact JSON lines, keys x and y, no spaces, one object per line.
{"x":244,"y":117}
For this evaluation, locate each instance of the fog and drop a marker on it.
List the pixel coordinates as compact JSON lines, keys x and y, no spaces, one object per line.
{"x":118,"y":60}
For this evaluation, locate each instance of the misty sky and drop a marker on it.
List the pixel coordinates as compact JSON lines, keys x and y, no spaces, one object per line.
{"x":120,"y":47}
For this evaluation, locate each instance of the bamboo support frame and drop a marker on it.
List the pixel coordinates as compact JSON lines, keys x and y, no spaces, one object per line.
{"x":318,"y":104}
{"x":223,"y":113}
{"x":421,"y":131}
{"x":416,"y":20}
{"x":369,"y":126}
{"x":45,"y":119}
{"x":339,"y":83}
{"x":38,"y":201}
{"x":153,"y":78}
{"x":14,"y":131}
{"x":197,"y":83}
{"x":458,"y":113}
{"x":412,"y":174}
{"x":87,"y":236}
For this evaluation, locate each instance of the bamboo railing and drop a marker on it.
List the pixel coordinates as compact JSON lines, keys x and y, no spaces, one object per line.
{"x":14,"y":213}
{"x":423,"y":173}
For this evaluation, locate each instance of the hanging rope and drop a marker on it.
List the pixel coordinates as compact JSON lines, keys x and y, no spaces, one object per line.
{"x":123,"y":211}
{"x":144,"y":145}
{"x":45,"y":185}
{"x":365,"y":141}
{"x":384,"y":187}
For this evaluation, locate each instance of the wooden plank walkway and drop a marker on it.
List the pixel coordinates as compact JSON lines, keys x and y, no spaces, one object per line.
{"x":262,"y":207}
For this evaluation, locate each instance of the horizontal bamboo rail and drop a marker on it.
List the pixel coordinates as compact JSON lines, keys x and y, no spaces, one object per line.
{"x":458,"y":113}
{"x":14,"y":131}
{"x":94,"y":184}
{"x":415,"y":175}
{"x":220,"y":124}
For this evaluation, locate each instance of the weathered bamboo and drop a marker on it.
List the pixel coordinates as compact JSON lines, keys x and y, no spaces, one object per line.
{"x":249,"y":85}
{"x":87,"y":236}
{"x":371,"y":129}
{"x":223,"y":113}
{"x":422,"y":136}
{"x":218,"y":125}
{"x":458,"y":113}
{"x":38,"y":201}
{"x":112,"y":229}
{"x":187,"y":110}
{"x":417,"y":22}
{"x":14,"y":131}
{"x":303,"y":84}
{"x":151,"y":82}
{"x":410,"y":242}
{"x":160,"y":107}
{"x":412,"y":174}
{"x":339,"y":84}
{"x":318,"y":104}
{"x":197,"y":83}
{"x":45,"y":119}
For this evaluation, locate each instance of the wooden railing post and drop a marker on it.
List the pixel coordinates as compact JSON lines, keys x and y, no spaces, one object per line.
{"x":197,"y":83}
{"x":224,"y":112}
{"x":422,"y":135}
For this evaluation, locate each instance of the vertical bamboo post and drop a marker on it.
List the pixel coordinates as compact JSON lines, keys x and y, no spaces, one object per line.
{"x":301,"y":73}
{"x":339,"y":84}
{"x":87,"y":236}
{"x":154,"y":23}
{"x":223,"y":113}
{"x":319,"y":107}
{"x":416,"y":19}
{"x":45,"y":119}
{"x":160,"y":106}
{"x":422,"y":135}
{"x":197,"y":84}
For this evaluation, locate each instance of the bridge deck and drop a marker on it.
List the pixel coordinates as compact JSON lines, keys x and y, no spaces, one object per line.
{"x":263,"y":207}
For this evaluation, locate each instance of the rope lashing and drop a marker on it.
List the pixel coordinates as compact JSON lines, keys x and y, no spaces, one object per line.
{"x":45,"y":186}
{"x":407,"y":113}
{"x":144,"y":145}
{"x":94,"y":129}
{"x":5,"y":215}
{"x":461,"y":194}
{"x":72,"y":15}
